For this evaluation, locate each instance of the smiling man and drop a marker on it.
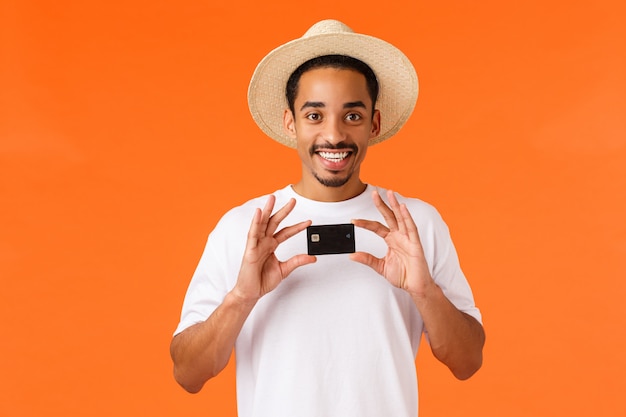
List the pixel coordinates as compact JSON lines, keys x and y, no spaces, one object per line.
{"x":333,"y":334}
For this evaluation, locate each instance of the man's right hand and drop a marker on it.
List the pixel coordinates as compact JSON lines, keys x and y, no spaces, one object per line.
{"x":261,"y":271}
{"x":201,"y":351}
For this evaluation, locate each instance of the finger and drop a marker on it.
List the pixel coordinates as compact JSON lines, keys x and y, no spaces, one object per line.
{"x":411,"y":227}
{"x":403,"y":225}
{"x":370,"y":260}
{"x":279,"y":216}
{"x":386,"y":212}
{"x":289,"y":231}
{"x":253,"y":232}
{"x":266,"y":215}
{"x":397,"y":212}
{"x":294,"y":262}
{"x":373,"y":226}
{"x":406,"y":224}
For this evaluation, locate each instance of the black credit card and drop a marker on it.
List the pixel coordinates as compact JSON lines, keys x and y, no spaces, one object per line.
{"x":330,"y":239}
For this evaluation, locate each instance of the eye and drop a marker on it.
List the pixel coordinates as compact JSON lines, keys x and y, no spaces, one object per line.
{"x":353,"y":117}
{"x":314,"y":117}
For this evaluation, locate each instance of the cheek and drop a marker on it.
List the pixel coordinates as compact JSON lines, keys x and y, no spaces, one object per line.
{"x":362,"y":152}
{"x":303,"y":149}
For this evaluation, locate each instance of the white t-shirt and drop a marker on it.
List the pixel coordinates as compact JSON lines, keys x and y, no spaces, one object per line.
{"x":334,"y":339}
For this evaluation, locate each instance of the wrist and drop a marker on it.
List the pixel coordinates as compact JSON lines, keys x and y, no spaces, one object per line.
{"x":237,"y":297}
{"x":426,"y":291}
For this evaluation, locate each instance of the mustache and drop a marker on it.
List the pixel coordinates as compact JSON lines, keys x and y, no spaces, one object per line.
{"x":341,"y":145}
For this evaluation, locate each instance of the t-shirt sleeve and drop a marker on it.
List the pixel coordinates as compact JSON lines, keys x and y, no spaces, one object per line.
{"x":217,"y":270}
{"x":447,"y":273}
{"x":206,"y":290}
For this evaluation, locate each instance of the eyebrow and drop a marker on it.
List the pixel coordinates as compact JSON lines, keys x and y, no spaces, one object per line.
{"x":352,"y":104}
{"x":319,"y":104}
{"x":314,"y":104}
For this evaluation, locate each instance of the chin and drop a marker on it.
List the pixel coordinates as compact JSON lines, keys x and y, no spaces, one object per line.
{"x":333,"y":182}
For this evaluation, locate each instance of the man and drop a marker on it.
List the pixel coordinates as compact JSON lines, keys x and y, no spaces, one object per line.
{"x":328,"y":335}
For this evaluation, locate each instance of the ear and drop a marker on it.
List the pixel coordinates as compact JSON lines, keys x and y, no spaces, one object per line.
{"x":375,"y":124}
{"x":289,"y":124}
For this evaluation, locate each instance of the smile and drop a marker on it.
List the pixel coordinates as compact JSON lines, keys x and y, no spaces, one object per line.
{"x":334,"y":156}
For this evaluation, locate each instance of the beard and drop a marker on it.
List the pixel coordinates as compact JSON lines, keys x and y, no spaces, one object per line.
{"x":334,"y":181}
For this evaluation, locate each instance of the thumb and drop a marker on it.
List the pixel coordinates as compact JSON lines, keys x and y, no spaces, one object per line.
{"x":294,"y":262}
{"x":369,"y":260}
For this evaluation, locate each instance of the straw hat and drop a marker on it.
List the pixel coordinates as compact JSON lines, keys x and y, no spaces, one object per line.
{"x":396,"y":77}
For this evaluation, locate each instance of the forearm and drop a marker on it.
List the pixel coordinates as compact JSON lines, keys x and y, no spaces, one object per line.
{"x":201,"y":351}
{"x":456,"y":339}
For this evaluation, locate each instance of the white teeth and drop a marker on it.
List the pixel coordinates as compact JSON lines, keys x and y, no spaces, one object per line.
{"x":334,"y":156}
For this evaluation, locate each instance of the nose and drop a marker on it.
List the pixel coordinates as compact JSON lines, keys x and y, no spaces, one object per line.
{"x":333,"y":130}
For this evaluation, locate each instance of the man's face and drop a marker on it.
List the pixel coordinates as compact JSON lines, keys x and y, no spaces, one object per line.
{"x":332,"y":125}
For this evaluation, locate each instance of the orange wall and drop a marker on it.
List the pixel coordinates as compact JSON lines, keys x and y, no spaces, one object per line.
{"x":125,"y":134}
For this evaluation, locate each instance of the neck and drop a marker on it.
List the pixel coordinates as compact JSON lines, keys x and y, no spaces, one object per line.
{"x":313,"y":190}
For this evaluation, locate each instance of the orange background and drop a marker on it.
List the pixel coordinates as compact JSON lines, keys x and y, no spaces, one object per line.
{"x":125,"y":134}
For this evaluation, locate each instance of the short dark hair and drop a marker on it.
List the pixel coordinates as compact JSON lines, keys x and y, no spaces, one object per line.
{"x":332,"y":61}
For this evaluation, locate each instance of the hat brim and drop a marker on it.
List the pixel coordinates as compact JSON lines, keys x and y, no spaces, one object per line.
{"x":397,"y":80}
